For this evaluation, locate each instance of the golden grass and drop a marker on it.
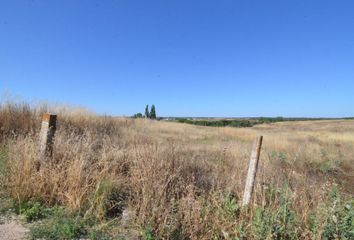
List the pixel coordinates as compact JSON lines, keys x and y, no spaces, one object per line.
{"x":172,"y":176}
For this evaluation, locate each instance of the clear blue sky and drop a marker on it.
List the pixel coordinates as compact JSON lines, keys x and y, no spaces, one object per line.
{"x":189,"y":58}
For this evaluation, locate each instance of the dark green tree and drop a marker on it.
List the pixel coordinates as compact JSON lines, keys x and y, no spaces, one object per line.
{"x":153,"y":112}
{"x":147,"y":114}
{"x":138,"y":115}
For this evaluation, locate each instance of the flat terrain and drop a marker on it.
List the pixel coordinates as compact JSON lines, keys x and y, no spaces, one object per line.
{"x":138,"y":178}
{"x":324,"y":144}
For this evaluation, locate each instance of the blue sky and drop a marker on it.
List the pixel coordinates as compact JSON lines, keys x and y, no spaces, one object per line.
{"x":190,"y":58}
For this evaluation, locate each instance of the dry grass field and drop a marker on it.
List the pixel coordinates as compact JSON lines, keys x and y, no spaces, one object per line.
{"x":141,"y":179}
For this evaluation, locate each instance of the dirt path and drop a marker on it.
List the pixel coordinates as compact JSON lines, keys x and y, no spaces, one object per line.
{"x":11,"y":229}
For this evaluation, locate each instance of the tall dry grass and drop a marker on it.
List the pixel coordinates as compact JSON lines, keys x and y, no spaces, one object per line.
{"x":181,"y":181}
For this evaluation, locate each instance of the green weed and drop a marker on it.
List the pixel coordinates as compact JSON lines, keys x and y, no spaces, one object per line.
{"x":278,"y":157}
{"x":148,"y":234}
{"x":312,"y":223}
{"x":339,"y":218}
{"x":60,"y":228}
{"x":32,"y":211}
{"x":231,"y":207}
{"x":2,"y":161}
{"x":277,"y":223}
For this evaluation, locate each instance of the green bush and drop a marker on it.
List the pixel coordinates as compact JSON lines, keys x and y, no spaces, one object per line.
{"x":339,"y":218}
{"x":60,"y":228}
{"x":231,"y":207}
{"x":280,"y":223}
{"x":32,"y":211}
{"x":148,"y":233}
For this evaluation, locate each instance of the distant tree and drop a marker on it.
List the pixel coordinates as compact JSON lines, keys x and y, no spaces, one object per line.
{"x":153,"y":112}
{"x":138,"y":115}
{"x":279,"y":119}
{"x":147,"y":114}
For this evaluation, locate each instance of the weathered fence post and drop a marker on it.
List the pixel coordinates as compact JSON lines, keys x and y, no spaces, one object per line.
{"x":49,"y":122}
{"x":252,"y":170}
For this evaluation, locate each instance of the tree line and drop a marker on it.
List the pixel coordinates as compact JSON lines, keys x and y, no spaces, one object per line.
{"x":148,"y":114}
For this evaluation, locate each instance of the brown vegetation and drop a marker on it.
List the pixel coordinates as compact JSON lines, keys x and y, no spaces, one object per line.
{"x":181,"y":181}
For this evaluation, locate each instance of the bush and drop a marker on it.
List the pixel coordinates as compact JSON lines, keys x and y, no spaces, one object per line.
{"x":277,"y":224}
{"x":60,"y":228}
{"x":339,"y":223}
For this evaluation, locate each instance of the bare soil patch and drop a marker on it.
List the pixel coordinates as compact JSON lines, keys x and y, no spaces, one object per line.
{"x":11,"y":229}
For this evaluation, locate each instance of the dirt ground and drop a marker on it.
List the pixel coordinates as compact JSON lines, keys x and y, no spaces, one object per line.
{"x":11,"y":229}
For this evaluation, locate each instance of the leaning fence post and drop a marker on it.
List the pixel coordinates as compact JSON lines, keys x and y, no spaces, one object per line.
{"x":49,"y":122}
{"x":252,"y":170}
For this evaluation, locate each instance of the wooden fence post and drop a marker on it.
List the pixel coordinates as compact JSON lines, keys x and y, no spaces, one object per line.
{"x":49,"y":123}
{"x":252,"y":170}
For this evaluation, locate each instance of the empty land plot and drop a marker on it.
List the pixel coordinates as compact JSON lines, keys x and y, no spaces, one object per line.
{"x":180,"y":181}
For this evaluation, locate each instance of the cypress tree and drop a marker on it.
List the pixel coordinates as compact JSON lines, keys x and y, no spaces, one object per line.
{"x":153,"y":112}
{"x":147,"y":114}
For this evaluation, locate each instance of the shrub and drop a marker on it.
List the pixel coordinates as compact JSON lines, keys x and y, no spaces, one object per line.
{"x":60,"y":228}
{"x":280,"y":223}
{"x":339,"y":215}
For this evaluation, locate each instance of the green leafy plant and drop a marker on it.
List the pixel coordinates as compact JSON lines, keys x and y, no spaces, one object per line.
{"x":60,"y":228}
{"x":241,"y":232}
{"x":339,"y":218}
{"x":262,"y":223}
{"x":277,"y":223}
{"x":231,"y":207}
{"x":312,"y":223}
{"x":148,"y":234}
{"x":32,"y":211}
{"x":278,"y":157}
